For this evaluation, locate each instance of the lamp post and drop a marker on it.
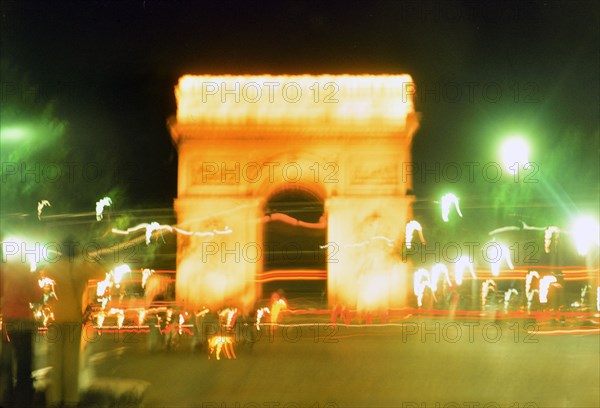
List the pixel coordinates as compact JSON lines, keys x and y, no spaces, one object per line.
{"x":514,"y":158}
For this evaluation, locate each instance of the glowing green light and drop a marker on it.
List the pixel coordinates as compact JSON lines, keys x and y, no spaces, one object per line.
{"x":13,"y":133}
{"x":514,"y":154}
{"x":585,"y":234}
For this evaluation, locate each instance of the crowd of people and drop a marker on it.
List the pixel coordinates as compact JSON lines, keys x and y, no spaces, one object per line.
{"x":54,"y":290}
{"x":22,"y":283}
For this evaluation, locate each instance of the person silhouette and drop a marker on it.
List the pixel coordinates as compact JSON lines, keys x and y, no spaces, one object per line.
{"x":71,"y":272}
{"x":19,"y":289}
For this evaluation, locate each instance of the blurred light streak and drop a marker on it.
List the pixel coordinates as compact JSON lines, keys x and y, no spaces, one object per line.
{"x":118,"y":273}
{"x":421,"y":280}
{"x":548,"y":234}
{"x":103,"y":202}
{"x":154,"y":226}
{"x":216,"y":344}
{"x":459,"y":268}
{"x":486,"y":287}
{"x":40,"y":207}
{"x":565,"y":331}
{"x":259,"y":314}
{"x":146,"y":273}
{"x":545,"y":283}
{"x":504,"y":254}
{"x":507,"y":297}
{"x":438,"y":270}
{"x":447,"y":201}
{"x":411,"y":227}
{"x":322,"y":224}
{"x":291,"y":274}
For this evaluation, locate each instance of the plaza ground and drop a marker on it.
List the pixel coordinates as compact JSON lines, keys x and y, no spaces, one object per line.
{"x":415,"y":363}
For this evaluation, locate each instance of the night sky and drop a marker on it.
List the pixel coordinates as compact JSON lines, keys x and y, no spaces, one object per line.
{"x":111,"y":68}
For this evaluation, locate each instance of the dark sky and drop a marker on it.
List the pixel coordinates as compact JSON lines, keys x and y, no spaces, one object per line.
{"x":112,"y":66}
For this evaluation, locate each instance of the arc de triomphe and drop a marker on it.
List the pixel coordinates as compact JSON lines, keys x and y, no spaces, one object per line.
{"x":342,"y":138}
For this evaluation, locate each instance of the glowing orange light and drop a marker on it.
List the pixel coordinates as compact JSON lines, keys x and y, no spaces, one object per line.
{"x":296,"y":274}
{"x":216,"y":344}
{"x":374,"y":292}
{"x":181,"y":322}
{"x":229,"y":121}
{"x":294,"y":221}
{"x":141,"y":316}
{"x":100,"y":319}
{"x":230,"y":315}
{"x":46,"y":283}
{"x":146,"y":273}
{"x":293,"y":98}
{"x":278,"y":304}
{"x":103,"y":287}
{"x":259,"y":314}
{"x":118,"y":273}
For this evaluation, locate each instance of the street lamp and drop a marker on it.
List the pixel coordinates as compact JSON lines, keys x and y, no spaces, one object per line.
{"x":585,"y":234}
{"x":514,"y":154}
{"x":13,"y":133}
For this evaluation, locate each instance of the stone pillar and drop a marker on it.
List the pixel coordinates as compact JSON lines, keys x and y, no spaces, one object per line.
{"x":218,"y":269}
{"x":365,"y":236}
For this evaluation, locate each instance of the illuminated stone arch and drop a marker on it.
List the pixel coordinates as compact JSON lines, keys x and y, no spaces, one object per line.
{"x":304,"y":162}
{"x":357,"y":140}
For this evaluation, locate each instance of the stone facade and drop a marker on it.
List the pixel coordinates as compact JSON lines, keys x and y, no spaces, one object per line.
{"x":344,"y":139}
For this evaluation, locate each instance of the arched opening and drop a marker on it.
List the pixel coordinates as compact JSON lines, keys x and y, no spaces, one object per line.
{"x":294,"y":237}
